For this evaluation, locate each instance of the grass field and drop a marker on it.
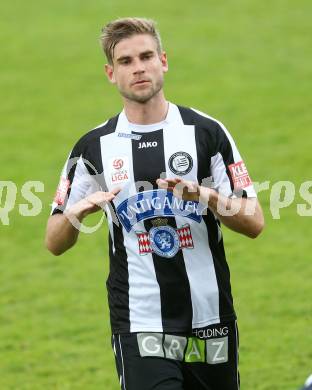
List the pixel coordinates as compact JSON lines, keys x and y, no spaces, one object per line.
{"x":245,"y":62}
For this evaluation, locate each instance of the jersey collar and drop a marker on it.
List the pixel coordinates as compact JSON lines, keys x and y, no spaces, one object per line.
{"x":173,"y":116}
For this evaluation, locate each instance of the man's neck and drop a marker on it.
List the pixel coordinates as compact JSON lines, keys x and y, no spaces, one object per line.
{"x":153,"y":111}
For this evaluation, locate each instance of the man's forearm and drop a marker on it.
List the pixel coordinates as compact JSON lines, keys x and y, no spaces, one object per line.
{"x":63,"y":229}
{"x":61,"y":234}
{"x":243,"y":215}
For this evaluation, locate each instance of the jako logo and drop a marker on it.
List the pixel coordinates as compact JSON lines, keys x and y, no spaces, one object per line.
{"x":118,"y":163}
{"x":143,"y":145}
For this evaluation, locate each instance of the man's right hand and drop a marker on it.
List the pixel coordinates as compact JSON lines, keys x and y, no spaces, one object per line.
{"x":91,"y":204}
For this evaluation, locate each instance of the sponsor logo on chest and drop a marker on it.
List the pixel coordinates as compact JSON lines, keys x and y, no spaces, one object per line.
{"x":145,"y":145}
{"x":156,"y":203}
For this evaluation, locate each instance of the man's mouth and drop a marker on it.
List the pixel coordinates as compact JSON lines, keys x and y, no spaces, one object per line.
{"x":140,"y":82}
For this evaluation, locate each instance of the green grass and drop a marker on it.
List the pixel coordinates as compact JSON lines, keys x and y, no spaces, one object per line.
{"x":245,"y":62}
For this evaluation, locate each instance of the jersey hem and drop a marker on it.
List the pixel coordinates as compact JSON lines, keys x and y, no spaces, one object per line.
{"x":216,"y":320}
{"x":176,"y":329}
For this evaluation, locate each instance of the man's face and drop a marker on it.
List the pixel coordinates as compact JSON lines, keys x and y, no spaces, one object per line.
{"x":138,"y":69}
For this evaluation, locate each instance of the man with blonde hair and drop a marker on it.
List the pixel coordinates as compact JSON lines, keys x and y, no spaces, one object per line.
{"x":166,"y":176}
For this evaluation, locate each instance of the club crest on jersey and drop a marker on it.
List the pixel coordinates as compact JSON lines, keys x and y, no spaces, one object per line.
{"x":119,"y":170}
{"x":165,"y":241}
{"x":180,"y":163}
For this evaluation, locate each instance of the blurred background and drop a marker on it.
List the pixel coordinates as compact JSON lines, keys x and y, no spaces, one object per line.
{"x":245,"y":62}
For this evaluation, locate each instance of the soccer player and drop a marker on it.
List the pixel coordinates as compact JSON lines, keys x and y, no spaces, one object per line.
{"x":167,"y":176}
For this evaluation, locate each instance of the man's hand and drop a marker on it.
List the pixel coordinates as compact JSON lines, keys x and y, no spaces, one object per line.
{"x":186,"y":190}
{"x":243,"y":215}
{"x":91,"y":204}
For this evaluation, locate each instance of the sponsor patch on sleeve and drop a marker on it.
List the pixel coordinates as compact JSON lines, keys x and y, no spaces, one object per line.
{"x":239,"y":175}
{"x":61,"y":191}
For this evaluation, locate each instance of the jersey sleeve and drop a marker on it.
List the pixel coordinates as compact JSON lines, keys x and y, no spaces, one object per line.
{"x":75,"y":183}
{"x":229,"y":172}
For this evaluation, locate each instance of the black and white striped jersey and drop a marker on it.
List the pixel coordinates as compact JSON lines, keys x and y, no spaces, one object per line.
{"x":168,"y":271}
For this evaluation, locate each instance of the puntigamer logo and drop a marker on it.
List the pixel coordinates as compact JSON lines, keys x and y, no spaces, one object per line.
{"x":156,"y":203}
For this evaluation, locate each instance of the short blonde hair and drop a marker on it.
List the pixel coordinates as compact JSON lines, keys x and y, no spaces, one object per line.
{"x":119,"y":29}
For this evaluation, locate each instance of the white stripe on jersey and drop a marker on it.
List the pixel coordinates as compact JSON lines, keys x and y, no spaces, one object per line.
{"x":82,"y":185}
{"x":113,"y":147}
{"x":221,"y":180}
{"x":144,"y":309}
{"x":182,"y":140}
{"x":202,"y":276}
{"x":200,"y":270}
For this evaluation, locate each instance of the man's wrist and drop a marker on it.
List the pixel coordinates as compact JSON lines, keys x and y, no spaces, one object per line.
{"x":76,"y":212}
{"x":207,"y":195}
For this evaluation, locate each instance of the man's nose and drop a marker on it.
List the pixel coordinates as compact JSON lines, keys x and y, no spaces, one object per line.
{"x":138,"y":67}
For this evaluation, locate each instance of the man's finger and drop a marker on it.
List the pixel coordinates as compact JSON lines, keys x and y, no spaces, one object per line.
{"x":162,"y":183}
{"x":100,"y":198}
{"x":167,"y":183}
{"x":115,"y":190}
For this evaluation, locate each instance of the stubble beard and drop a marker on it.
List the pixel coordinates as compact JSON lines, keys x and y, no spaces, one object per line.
{"x":144,"y":96}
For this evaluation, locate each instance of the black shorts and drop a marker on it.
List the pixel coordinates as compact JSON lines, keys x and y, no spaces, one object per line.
{"x":207,"y":360}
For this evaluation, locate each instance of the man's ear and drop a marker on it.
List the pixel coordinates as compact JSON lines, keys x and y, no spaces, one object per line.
{"x":164,"y":61}
{"x":109,"y":70}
